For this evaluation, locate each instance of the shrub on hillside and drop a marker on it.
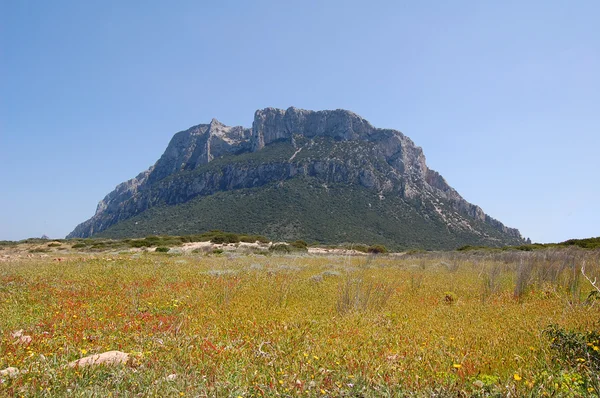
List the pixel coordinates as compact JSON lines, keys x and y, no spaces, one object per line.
{"x":377,"y":249}
{"x":299,"y":244}
{"x":280,"y":248}
{"x":225,"y":237}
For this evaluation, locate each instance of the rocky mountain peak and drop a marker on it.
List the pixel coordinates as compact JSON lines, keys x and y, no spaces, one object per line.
{"x":318,"y":148}
{"x":272,"y":124}
{"x":215,"y":123}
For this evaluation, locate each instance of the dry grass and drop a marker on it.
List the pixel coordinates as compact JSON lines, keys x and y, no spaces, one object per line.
{"x":295,"y":325}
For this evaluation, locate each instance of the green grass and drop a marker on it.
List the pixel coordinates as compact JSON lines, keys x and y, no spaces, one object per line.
{"x":298,"y":325}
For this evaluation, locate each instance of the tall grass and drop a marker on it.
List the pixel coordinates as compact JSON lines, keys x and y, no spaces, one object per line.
{"x":205,"y":325}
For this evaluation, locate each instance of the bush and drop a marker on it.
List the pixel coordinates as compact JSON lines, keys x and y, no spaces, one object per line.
{"x":39,"y":250}
{"x":299,"y":244}
{"x":280,"y":248}
{"x":377,"y":249}
{"x":162,"y":249}
{"x":54,"y":244}
{"x":450,"y":297}
{"x":575,"y":349}
{"x":78,"y":245}
{"x":225,"y":237}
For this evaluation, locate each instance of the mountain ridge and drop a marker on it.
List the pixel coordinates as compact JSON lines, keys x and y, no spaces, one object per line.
{"x":331,"y":146}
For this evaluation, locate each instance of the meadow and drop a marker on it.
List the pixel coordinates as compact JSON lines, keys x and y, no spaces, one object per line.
{"x":477,"y":323}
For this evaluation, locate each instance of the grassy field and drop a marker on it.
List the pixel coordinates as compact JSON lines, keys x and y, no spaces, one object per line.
{"x":432,"y":324}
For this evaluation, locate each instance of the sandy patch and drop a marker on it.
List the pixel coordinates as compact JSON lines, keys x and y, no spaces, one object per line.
{"x":337,"y":252}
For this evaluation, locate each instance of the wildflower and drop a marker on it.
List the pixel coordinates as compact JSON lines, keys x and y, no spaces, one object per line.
{"x":83,"y":351}
{"x":517,"y":377}
{"x":457,"y":366}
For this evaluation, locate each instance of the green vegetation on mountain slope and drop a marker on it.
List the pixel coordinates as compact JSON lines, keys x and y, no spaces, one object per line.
{"x":301,"y":208}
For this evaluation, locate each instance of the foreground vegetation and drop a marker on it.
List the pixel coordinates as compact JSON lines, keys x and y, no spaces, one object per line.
{"x":473,"y":323}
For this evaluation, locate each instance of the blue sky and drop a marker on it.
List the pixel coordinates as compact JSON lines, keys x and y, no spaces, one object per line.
{"x":504,"y":97}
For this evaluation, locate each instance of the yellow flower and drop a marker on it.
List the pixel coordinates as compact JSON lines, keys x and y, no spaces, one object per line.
{"x":517,"y":377}
{"x":457,"y":366}
{"x":83,"y":351}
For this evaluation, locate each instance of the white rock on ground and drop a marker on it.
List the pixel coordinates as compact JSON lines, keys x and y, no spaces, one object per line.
{"x":106,"y":358}
{"x":21,"y":338}
{"x":24,"y":339}
{"x":10,"y":372}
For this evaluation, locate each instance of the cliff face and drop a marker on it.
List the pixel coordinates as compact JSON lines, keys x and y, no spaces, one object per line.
{"x":330,"y":147}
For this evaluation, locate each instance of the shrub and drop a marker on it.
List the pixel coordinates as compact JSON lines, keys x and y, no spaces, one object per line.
{"x":377,"y":249}
{"x":162,"y":249}
{"x":572,"y":347}
{"x":449,"y":297}
{"x":39,"y":250}
{"x":280,"y":247}
{"x":78,"y":245}
{"x":299,"y":244}
{"x":577,"y":351}
{"x":225,"y":237}
{"x":54,"y":244}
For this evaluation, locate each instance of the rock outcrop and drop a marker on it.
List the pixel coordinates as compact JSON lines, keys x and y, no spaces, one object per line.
{"x":330,"y":146}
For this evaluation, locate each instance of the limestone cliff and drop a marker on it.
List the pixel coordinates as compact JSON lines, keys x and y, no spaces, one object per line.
{"x":329,"y":147}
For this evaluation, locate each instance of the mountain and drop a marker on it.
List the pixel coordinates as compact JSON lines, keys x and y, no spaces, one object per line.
{"x":322,"y":176}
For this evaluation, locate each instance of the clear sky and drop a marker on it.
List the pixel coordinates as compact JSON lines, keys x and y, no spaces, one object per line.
{"x":503,"y":96}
